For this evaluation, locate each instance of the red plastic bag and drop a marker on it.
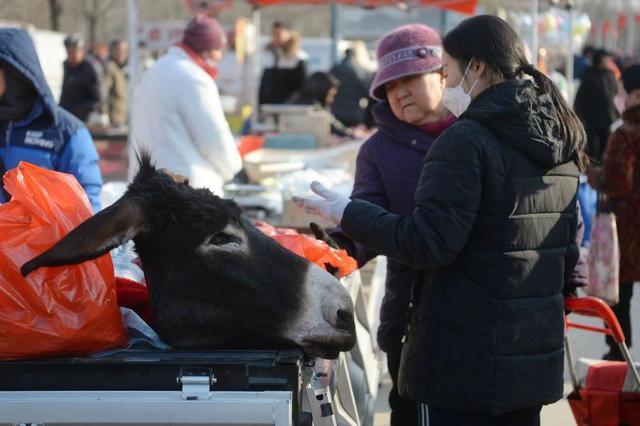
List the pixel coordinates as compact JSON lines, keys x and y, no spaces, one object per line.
{"x":313,"y":250}
{"x":66,"y":310}
{"x":250,"y":143}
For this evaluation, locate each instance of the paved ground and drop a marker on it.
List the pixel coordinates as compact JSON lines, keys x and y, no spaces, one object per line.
{"x":584,"y":344}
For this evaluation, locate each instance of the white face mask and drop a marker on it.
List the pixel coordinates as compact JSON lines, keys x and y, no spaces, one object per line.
{"x":455,"y":98}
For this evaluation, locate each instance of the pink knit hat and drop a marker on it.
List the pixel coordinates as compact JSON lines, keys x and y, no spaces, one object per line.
{"x":408,"y":50}
{"x":204,"y":33}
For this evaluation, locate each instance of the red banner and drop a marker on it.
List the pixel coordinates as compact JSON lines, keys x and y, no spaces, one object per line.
{"x":212,"y":8}
{"x":462,"y":6}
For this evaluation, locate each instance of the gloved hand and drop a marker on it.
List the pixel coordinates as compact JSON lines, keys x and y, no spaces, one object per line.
{"x":331,"y":207}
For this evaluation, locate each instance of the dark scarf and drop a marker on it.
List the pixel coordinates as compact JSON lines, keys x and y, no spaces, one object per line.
{"x":19,"y":97}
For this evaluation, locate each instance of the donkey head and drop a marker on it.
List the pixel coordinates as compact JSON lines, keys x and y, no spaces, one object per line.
{"x":215,"y":280}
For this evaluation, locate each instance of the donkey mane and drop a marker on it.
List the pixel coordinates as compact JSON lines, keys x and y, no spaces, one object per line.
{"x":164,"y":200}
{"x":147,"y":168}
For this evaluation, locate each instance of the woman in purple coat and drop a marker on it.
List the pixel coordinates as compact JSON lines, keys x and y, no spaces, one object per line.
{"x":409,"y":116}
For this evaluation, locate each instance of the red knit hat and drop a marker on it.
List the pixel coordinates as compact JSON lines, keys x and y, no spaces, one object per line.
{"x":407,"y":50}
{"x":204,"y":33}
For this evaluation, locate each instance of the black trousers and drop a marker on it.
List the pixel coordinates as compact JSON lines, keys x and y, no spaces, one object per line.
{"x":623,"y":312}
{"x":433,"y":416}
{"x":597,"y":140}
{"x":404,"y":411}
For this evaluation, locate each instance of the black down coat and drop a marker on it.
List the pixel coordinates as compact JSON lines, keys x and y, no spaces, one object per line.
{"x":493,"y":230}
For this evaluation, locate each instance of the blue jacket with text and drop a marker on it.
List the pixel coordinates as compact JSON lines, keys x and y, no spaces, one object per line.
{"x":49,"y":136}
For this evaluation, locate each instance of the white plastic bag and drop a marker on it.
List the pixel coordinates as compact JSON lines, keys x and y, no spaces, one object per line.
{"x":604,"y":259}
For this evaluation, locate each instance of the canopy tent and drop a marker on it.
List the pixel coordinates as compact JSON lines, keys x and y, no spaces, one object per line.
{"x":467,"y":7}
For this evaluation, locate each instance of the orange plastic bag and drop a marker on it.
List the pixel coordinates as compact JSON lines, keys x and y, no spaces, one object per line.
{"x":313,"y":250}
{"x":250,"y":143}
{"x":66,"y":310}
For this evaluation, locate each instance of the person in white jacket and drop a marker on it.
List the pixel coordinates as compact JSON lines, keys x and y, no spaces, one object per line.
{"x":177,"y":113}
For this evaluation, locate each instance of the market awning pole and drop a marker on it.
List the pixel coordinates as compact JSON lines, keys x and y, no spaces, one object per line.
{"x":534,"y":32}
{"x":443,"y":21}
{"x":132,"y":27}
{"x":631,"y":27}
{"x":335,"y":32}
{"x":613,"y":34}
{"x":256,"y":66}
{"x":569,"y":68}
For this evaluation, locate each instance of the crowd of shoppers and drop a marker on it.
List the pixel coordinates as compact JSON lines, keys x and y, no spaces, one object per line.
{"x":94,"y":87}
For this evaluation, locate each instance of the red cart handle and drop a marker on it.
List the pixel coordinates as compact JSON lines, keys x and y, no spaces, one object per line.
{"x":594,"y":307}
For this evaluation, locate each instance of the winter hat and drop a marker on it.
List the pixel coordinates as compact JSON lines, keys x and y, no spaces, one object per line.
{"x":74,"y":40}
{"x":408,"y":50}
{"x":204,"y":33}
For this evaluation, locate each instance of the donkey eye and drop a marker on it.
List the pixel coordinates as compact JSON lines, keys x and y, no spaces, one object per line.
{"x":222,"y":238}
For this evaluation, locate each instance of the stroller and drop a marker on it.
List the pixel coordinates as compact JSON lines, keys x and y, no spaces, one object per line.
{"x":605,"y":393}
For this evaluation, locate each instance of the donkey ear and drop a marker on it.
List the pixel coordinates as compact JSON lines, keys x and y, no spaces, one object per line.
{"x":94,"y":237}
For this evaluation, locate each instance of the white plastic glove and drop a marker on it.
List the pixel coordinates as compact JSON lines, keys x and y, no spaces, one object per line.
{"x":331,"y":207}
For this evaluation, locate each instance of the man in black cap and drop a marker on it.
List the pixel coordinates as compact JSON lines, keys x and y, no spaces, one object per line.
{"x":82,"y":91}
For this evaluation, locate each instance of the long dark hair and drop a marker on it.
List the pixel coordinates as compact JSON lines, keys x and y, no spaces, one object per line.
{"x":491,"y":40}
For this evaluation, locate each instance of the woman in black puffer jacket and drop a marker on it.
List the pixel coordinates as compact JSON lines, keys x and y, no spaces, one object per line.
{"x":493,"y":230}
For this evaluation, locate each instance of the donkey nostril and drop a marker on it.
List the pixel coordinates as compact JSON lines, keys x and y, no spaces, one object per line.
{"x":345,"y":319}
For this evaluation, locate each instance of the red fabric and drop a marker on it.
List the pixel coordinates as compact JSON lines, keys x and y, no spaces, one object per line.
{"x":603,"y":408}
{"x":606,"y":376}
{"x":212,"y":71}
{"x":438,"y":127}
{"x":601,"y":403}
{"x":135,"y":296}
{"x":578,"y":408}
